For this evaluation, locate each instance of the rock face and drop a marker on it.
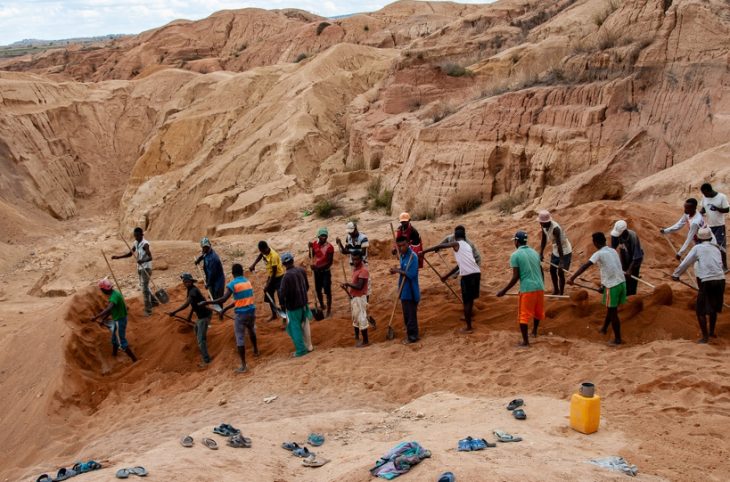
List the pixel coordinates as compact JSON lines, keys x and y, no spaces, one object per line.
{"x":241,"y":121}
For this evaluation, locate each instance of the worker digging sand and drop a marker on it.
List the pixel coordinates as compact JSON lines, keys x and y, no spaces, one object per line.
{"x":410,"y":293}
{"x":323,"y":254}
{"x":715,"y":207}
{"x":244,"y":310}
{"x":141,"y":248}
{"x":693,"y":219}
{"x":613,"y":281}
{"x":196,"y":301}
{"x":275,"y":272}
{"x":526,"y":268}
{"x":562,"y":252}
{"x":358,"y":290}
{"x":711,"y":280}
{"x":294,"y":289}
{"x":116,"y":310}
{"x":215,"y":278}
{"x":468,"y":269}
{"x":630,"y":252}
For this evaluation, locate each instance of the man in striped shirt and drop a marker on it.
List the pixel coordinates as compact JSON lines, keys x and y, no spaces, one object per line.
{"x":244,"y":310}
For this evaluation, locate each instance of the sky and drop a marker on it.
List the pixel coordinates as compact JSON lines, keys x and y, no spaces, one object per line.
{"x":52,"y":20}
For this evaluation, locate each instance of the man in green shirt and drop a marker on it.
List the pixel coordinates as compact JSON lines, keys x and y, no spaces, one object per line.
{"x":117,"y":311}
{"x":526,"y":268}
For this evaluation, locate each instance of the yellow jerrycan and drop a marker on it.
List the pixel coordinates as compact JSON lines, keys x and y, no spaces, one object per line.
{"x":585,"y":409}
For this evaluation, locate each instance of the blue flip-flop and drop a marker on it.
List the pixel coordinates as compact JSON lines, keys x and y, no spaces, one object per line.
{"x":290,"y":446}
{"x":315,"y":439}
{"x":519,"y":414}
{"x":64,"y":474}
{"x":464,"y":445}
{"x":447,"y":477}
{"x":302,"y":452}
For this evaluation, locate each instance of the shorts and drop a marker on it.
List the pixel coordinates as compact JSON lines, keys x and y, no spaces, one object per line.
{"x":532,"y":307}
{"x":243,"y":322}
{"x":719,"y":232}
{"x":359,"y":305}
{"x":613,"y":297}
{"x":470,"y":285}
{"x":567,"y":258}
{"x":710,"y":297}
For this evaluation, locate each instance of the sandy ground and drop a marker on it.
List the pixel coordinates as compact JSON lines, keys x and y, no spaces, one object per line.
{"x":666,"y":406}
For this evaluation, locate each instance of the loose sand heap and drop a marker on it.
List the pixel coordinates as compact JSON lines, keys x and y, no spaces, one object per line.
{"x":250,"y":124}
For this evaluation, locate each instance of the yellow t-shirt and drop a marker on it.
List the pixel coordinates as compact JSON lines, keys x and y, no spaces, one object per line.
{"x":273,"y":264}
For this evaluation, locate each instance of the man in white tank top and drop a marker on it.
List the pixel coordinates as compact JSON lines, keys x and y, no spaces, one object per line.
{"x":469,"y":272}
{"x":141,"y":251}
{"x":562,"y":253}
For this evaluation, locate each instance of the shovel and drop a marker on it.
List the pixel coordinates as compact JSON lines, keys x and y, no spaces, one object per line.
{"x":671,"y":245}
{"x":112,"y":272}
{"x":391,"y":334}
{"x":696,"y":289}
{"x":317,"y":311}
{"x":444,"y":282}
{"x":184,"y":320}
{"x":159,"y":294}
{"x":279,"y":311}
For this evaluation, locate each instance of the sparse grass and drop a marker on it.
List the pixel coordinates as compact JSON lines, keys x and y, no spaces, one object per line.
{"x":379,"y":197}
{"x":508,"y":204}
{"x":464,"y":202}
{"x":321,"y":27}
{"x":326,"y":208}
{"x":414,"y":105}
{"x":454,"y":70}
{"x":600,"y":17}
{"x":237,"y":253}
{"x":443,"y":113}
{"x":423,"y":213}
{"x":607,"y":40}
{"x":357,"y":165}
{"x":630,"y":107}
{"x":300,"y":57}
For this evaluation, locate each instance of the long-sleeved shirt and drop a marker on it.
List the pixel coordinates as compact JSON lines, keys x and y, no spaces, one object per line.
{"x":294,"y":288}
{"x":708,"y":261}
{"x":695,"y":223}
{"x":213,"y":269}
{"x":409,"y":264}
{"x":631,"y":248}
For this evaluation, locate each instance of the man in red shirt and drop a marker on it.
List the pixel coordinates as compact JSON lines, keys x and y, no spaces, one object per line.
{"x":358,"y":290}
{"x":407,"y":230}
{"x":322,"y":254}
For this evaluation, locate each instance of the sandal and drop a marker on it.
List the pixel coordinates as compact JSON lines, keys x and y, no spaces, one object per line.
{"x":313,"y":461}
{"x":239,"y":441}
{"x":519,"y":414}
{"x":186,"y":441}
{"x":505,"y":437}
{"x":290,"y":446}
{"x":65,"y":473}
{"x":302,"y":452}
{"x":315,"y":439}
{"x":210,"y":443}
{"x":518,"y":402}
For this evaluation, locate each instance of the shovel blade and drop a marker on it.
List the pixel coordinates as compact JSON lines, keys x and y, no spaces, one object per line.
{"x":391,"y":333}
{"x":162,"y":296}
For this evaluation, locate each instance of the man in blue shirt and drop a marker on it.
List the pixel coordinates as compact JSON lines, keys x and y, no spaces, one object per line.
{"x":215,"y":279}
{"x":410,"y":294}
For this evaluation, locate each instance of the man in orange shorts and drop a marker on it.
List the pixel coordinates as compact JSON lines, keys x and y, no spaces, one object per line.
{"x":526,"y":269}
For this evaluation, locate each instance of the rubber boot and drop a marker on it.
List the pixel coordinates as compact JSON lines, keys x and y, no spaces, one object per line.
{"x":616,"y":325}
{"x":365,"y":339}
{"x":357,"y":333}
{"x":252,"y":337}
{"x":129,"y":353}
{"x":536,"y":324}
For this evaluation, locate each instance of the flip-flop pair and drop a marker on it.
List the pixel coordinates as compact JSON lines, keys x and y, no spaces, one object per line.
{"x":239,"y":441}
{"x":226,"y":430}
{"x":125,"y":473}
{"x":504,"y":437}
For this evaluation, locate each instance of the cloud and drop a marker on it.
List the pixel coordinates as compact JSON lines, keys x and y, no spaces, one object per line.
{"x":57,"y":19}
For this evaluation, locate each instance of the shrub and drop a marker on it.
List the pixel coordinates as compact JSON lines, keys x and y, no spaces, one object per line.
{"x":454,"y":70}
{"x":508,"y":204}
{"x":326,"y":208}
{"x":378,"y":196}
{"x":630,"y":107}
{"x":321,"y":27}
{"x":423,"y":213}
{"x":465,"y":201}
{"x":300,"y":57}
{"x":608,"y":40}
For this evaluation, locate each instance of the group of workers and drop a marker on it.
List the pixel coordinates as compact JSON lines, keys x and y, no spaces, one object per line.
{"x":619,"y":267}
